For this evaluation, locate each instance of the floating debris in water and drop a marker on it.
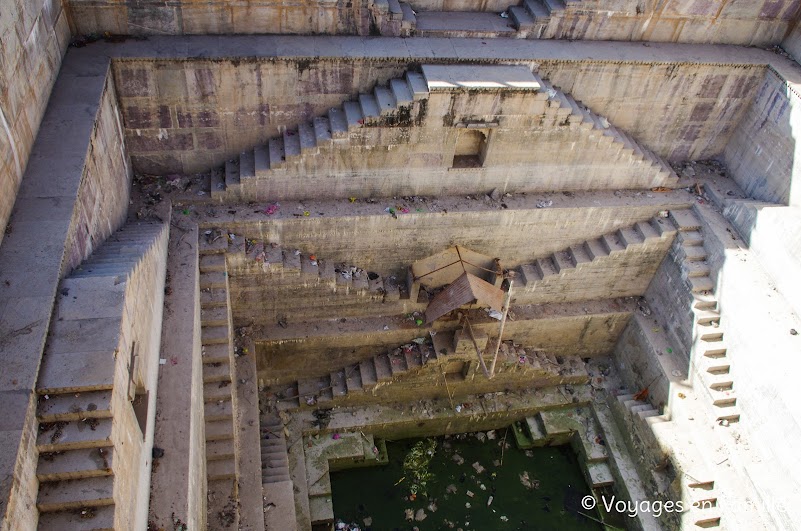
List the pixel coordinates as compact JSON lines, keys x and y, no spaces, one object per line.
{"x":409,"y":514}
{"x":368,"y":521}
{"x":489,"y":501}
{"x":528,"y":482}
{"x":478,"y":468}
{"x":480,"y":436}
{"x":433,"y":506}
{"x":482,"y":487}
{"x":504,"y":519}
{"x":458,"y":459}
{"x":420,"y":515}
{"x":450,"y":489}
{"x":467,"y":505}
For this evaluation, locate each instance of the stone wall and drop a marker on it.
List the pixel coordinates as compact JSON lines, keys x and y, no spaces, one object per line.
{"x":366,"y":236}
{"x":190,"y":115}
{"x":103,"y":194}
{"x":762,"y":153}
{"x":680,"y":111}
{"x":34,"y":37}
{"x":756,"y":22}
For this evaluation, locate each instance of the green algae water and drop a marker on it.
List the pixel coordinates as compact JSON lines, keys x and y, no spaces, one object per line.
{"x":475,"y":486}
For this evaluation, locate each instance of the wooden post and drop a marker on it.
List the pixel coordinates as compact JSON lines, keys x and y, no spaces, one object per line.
{"x":507,"y":301}
{"x":475,"y":344}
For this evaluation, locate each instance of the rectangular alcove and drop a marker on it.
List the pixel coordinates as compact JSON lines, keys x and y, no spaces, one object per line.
{"x":471,"y":148}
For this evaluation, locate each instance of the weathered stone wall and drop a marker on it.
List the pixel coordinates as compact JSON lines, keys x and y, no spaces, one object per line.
{"x":194,"y":114}
{"x":366,"y":236}
{"x":187,"y":116}
{"x":762,"y":153}
{"x":680,"y":111}
{"x":34,"y":38}
{"x":102,"y":202}
{"x":756,"y":22}
{"x":192,"y":18}
{"x":570,"y":331}
{"x":759,"y":22}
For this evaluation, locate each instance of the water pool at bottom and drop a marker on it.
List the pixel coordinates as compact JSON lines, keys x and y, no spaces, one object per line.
{"x":476,"y":486}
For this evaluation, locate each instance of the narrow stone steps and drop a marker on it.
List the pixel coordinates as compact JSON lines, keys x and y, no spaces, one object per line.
{"x":219,"y":430}
{"x":82,"y":519}
{"x":216,"y":391}
{"x":73,"y":435}
{"x":537,"y":9}
{"x":214,"y":316}
{"x":212,"y":263}
{"x":75,"y":464}
{"x":214,"y":335}
{"x":521,"y":18}
{"x":74,"y":406}
{"x":76,"y":494}
{"x":216,"y":372}
{"x":217,"y":352}
{"x":219,"y":469}
{"x":214,"y":279}
{"x":220,"y":449}
{"x":220,"y":410}
{"x":339,"y":383}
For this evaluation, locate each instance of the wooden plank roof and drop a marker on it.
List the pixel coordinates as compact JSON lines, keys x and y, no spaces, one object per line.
{"x":467,"y":289}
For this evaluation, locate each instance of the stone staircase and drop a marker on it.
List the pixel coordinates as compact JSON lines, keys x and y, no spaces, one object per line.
{"x":570,"y":262}
{"x":285,"y":151}
{"x":218,"y":392}
{"x":393,"y":18}
{"x":532,"y":17}
{"x":696,"y":486}
{"x":371,"y":374}
{"x":629,"y":150}
{"x":708,"y":359}
{"x":575,"y":426}
{"x":84,"y":411}
{"x":274,"y":459}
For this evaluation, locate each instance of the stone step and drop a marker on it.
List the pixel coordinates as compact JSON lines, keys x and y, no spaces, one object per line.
{"x":214,"y":279}
{"x":214,"y":335}
{"x":74,"y":406}
{"x":322,"y":130}
{"x":220,"y":449}
{"x":418,"y":85}
{"x":291,"y":261}
{"x":216,"y":372}
{"x":711,"y":348}
{"x":338,"y":123}
{"x":692,"y":253}
{"x":73,"y":435}
{"x":306,"y":136}
{"x":221,"y":469}
{"x":219,"y":430}
{"x":696,"y":269}
{"x":213,"y":297}
{"x":76,"y":494}
{"x":214,"y":391}
{"x":704,"y":301}
{"x":719,"y":381}
{"x":397,"y":363}
{"x":685,"y":220}
{"x":232,"y":179}
{"x":401,"y":90}
{"x":385,"y":100}
{"x":353,"y":380}
{"x":529,"y":274}
{"x":409,"y":18}
{"x":537,"y":9}
{"x":706,"y":317}
{"x":383,"y":367}
{"x":214,"y":316}
{"x":709,"y":333}
{"x":291,"y":144}
{"x":701,"y":284}
{"x":723,"y":397}
{"x":212,"y":263}
{"x":367,"y":373}
{"x":216,"y":353}
{"x":275,"y":148}
{"x":730,"y":413}
{"x":562,"y":261}
{"x":554,"y":5}
{"x":338,"y":383}
{"x":612,"y":244}
{"x":629,"y":236}
{"x":83,"y":519}
{"x":219,"y":410}
{"x":521,"y":18}
{"x":691,"y":238}
{"x":578,"y":253}
{"x":261,"y":161}
{"x":75,"y":464}
{"x":353,"y":113}
{"x":545,"y":267}
{"x":413,"y":359}
{"x":247,"y":165}
{"x":595,"y":249}
{"x":369,"y":106}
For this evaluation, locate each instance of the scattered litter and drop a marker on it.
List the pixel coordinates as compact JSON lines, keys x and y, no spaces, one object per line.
{"x":271,"y":209}
{"x":491,"y":435}
{"x":336,"y":436}
{"x":478,"y":468}
{"x":482,"y":486}
{"x":676,"y":373}
{"x":470,"y":493}
{"x":458,"y":408}
{"x":682,"y":395}
{"x":495,"y":314}
{"x":504,"y":519}
{"x":481,"y":437}
{"x":504,"y":15}
{"x":664,"y":213}
{"x":386,"y":327}
{"x":467,"y":505}
{"x":544,"y":204}
{"x":432,"y":507}
{"x":489,"y":501}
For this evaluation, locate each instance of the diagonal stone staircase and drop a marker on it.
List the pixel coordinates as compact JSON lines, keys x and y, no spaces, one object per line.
{"x":84,"y":412}
{"x":301,"y":150}
{"x":562,"y":266}
{"x":218,"y":392}
{"x":285,"y":151}
{"x":368,"y":376}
